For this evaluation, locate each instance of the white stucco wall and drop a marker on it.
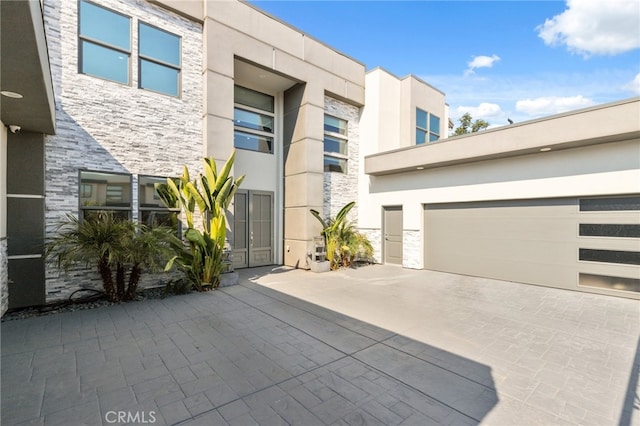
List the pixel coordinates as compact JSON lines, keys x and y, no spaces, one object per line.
{"x":605,"y":169}
{"x":111,"y":127}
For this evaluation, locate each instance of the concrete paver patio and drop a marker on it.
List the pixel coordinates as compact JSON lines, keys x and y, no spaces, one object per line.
{"x":375,"y":345}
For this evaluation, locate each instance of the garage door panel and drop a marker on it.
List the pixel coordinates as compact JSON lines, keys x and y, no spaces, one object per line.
{"x":517,"y":241}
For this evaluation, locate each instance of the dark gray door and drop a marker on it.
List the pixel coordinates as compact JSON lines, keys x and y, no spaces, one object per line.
{"x":253,"y":229}
{"x":393,"y":235}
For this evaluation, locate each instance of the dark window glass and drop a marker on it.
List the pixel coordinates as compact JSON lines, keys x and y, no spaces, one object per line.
{"x":155,"y":218}
{"x":333,"y":164}
{"x":159,"y":60}
{"x":609,"y":204}
{"x":335,"y":145}
{"x":159,"y":45}
{"x":104,"y":26}
{"x":335,"y":125}
{"x":609,"y":230}
{"x":434,"y":124}
{"x":107,"y":190}
{"x":421,"y":118}
{"x":253,"y":99}
{"x":611,"y":256}
{"x":105,"y":44}
{"x":253,"y":142}
{"x":103,"y":62}
{"x":93,"y":214}
{"x":159,"y":78}
{"x":609,"y":282}
{"x":253,"y":120}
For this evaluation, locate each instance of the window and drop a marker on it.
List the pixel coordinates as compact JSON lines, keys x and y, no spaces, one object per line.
{"x":253,"y":118}
{"x":427,"y":127}
{"x":104,"y":43}
{"x":335,"y":144}
{"x":159,"y":60}
{"x":101,"y":191}
{"x":609,"y":204}
{"x":152,"y":211}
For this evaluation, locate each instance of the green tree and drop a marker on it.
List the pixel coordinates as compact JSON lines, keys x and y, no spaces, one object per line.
{"x":209,"y":195}
{"x":120,"y":249}
{"x":467,"y":125}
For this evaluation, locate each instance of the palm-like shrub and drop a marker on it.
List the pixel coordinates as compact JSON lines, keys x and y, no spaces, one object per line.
{"x":344,"y":243}
{"x":120,"y":249}
{"x":209,"y":195}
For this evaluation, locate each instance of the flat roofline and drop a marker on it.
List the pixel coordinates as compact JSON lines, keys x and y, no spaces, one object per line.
{"x":275,"y":18}
{"x":415,"y":77}
{"x":618,"y":121}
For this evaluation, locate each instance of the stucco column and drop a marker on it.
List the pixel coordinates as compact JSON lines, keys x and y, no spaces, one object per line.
{"x":303,"y":170}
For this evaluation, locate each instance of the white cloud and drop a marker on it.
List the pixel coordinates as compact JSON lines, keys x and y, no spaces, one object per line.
{"x":634,"y":85}
{"x":481,"y":62}
{"x":548,"y":105}
{"x":485,"y":110}
{"x":594,"y":27}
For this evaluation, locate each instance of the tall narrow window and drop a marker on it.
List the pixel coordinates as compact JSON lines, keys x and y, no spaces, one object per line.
{"x":335,"y":144}
{"x":100,"y":191}
{"x":253,"y":118}
{"x":104,"y":43}
{"x":159,"y":60}
{"x":152,"y":211}
{"x":427,"y":127}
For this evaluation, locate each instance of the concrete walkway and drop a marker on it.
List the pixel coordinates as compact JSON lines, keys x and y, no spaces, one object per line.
{"x":376,"y":345}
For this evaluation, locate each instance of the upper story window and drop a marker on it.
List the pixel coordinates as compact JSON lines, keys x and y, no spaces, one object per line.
{"x":159,"y":60}
{"x":427,"y":127}
{"x":101,"y":191}
{"x":253,"y":118}
{"x":105,"y":43}
{"x":335,"y":144}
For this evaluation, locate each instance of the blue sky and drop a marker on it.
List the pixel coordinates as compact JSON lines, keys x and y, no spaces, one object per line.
{"x":496,"y":60}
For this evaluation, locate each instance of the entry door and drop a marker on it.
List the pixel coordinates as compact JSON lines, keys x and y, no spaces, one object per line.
{"x":253,"y":229}
{"x":393,"y":235}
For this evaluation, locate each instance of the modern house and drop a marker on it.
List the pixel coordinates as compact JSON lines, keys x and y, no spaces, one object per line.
{"x":120,"y":94}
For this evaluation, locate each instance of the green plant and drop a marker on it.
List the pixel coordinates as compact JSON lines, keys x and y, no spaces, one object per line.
{"x":344,"y":243}
{"x":120,"y":249}
{"x":209,"y":195}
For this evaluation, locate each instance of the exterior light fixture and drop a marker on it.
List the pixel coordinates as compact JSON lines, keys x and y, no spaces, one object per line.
{"x":547,"y":149}
{"x":419,"y":168}
{"x":13,"y":95}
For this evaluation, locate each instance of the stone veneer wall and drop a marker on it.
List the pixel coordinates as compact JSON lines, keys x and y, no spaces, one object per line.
{"x":375,"y":237}
{"x":111,"y":127}
{"x":411,"y":242}
{"x":4,"y":277}
{"x":342,"y":188}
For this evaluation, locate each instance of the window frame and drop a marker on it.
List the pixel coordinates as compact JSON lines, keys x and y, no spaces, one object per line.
{"x":334,"y":155}
{"x":82,"y":208}
{"x":255,"y":132}
{"x":142,"y":57}
{"x":83,"y":38}
{"x":426,"y":131}
{"x":163,"y":209}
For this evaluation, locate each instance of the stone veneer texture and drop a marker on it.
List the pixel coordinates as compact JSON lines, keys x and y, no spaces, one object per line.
{"x":375,"y":237}
{"x":411,"y":249}
{"x":4,"y":277}
{"x":111,"y":127}
{"x":342,"y":188}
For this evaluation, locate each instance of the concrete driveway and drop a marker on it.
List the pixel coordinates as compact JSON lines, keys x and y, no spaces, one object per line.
{"x":375,"y":345}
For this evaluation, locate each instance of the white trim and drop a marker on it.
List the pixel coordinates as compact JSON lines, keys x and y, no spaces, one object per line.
{"x":24,"y":256}
{"x":24,"y":196}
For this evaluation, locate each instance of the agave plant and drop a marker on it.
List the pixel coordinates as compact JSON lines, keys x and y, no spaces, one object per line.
{"x":120,"y":249}
{"x":209,"y":195}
